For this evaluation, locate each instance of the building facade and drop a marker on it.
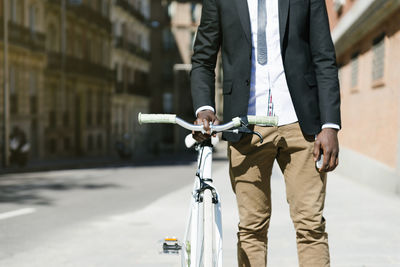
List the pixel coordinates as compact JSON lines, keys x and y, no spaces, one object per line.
{"x":131,"y":61}
{"x":78,"y":78}
{"x":27,"y":62}
{"x":60,"y":76}
{"x":366,"y":34}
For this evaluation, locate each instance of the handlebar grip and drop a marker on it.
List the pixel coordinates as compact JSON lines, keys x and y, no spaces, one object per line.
{"x":156,"y":118}
{"x":263,"y":120}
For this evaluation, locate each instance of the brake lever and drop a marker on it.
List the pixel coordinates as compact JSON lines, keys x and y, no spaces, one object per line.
{"x":244,"y":129}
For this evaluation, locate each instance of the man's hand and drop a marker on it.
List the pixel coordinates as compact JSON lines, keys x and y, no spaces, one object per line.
{"x":327,"y":141}
{"x":205,"y":117}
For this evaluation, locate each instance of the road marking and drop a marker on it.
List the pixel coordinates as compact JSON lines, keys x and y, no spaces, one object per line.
{"x":15,"y":213}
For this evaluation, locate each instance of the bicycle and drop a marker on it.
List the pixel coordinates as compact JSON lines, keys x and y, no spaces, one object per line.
{"x":202,"y":245}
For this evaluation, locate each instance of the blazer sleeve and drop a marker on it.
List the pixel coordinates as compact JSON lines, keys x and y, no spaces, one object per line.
{"x":324,"y":59}
{"x":206,"y":47}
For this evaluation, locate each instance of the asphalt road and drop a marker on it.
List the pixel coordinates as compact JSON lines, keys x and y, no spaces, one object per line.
{"x":37,"y":208}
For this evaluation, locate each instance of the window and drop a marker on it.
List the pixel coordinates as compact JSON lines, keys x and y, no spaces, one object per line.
{"x":65,"y":118}
{"x":89,"y":106}
{"x":99,"y":117}
{"x":117,"y":29}
{"x":167,"y":102}
{"x":70,"y":42}
{"x":89,"y":118}
{"x":104,"y":54}
{"x":51,"y":37}
{"x":378,"y":63}
{"x":19,"y":10}
{"x":52,"y":119}
{"x":168,"y":40}
{"x":99,"y":101}
{"x":33,"y":92}
{"x":12,"y":80}
{"x":33,"y":83}
{"x":67,"y":143}
{"x":90,"y":142}
{"x":33,"y":104}
{"x":139,"y":41}
{"x":354,"y":70}
{"x":13,"y":11}
{"x":104,"y":8}
{"x":88,"y":47}
{"x":52,"y":146}
{"x":131,"y":75}
{"x":99,"y":141}
{"x":13,"y":92}
{"x":32,"y":18}
{"x":99,"y":6}
{"x":118,"y":72}
{"x":78,"y":45}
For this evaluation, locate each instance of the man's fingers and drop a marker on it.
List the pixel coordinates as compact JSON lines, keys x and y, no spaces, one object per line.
{"x":198,"y":136}
{"x":205,"y":118}
{"x":206,"y":126}
{"x":334,"y":161}
{"x":317,"y":150}
{"x":325,"y":163}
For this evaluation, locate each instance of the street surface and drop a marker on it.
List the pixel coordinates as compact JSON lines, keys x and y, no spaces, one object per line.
{"x":118,"y":217}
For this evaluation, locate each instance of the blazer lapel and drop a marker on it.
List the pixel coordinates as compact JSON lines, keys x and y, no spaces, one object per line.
{"x":244,"y":16}
{"x":283,"y":15}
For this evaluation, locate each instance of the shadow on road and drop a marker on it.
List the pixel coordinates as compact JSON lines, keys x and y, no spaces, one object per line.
{"x":36,"y":190}
{"x":99,"y":163}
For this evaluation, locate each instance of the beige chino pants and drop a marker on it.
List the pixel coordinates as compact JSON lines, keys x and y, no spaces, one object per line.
{"x":250,"y":171}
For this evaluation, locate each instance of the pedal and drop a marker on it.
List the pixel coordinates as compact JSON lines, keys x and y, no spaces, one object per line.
{"x":171,"y":245}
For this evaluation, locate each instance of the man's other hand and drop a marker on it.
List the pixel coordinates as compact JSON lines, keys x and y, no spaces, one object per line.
{"x":204,"y":117}
{"x":327,"y":142}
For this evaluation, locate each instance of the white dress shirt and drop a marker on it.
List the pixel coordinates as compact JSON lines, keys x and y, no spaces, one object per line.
{"x":272,"y":74}
{"x":268,"y":82}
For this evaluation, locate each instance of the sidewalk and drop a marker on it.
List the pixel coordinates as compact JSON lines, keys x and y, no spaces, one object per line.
{"x":363,"y":225}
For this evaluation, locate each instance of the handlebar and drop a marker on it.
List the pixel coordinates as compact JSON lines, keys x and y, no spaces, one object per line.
{"x":236,"y":122}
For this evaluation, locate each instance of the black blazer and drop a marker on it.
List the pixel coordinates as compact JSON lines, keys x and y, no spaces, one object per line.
{"x":307,"y":52}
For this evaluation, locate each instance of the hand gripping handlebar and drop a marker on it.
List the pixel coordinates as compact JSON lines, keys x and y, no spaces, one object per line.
{"x":236,"y":122}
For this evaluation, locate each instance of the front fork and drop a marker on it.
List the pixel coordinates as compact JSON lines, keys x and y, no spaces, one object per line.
{"x":204,"y":170}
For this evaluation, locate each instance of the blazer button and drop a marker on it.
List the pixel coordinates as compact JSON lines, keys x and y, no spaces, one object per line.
{"x":247,"y":82}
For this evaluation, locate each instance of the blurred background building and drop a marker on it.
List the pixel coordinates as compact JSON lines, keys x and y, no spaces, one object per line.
{"x":78,"y":79}
{"x":131,"y":61}
{"x":27,"y":63}
{"x":174,"y":28}
{"x":60,"y":79}
{"x":79,"y":71}
{"x":366,"y":34}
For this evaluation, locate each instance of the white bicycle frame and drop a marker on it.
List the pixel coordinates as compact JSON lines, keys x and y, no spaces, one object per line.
{"x":202,"y":245}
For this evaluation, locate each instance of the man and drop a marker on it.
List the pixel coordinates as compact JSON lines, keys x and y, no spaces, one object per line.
{"x":278,"y":59}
